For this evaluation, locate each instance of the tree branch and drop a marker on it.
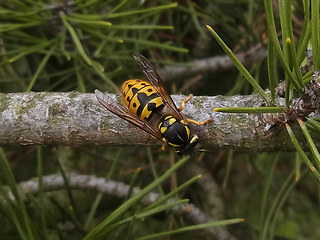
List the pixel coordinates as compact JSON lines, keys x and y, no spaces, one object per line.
{"x":213,"y":64}
{"x":118,"y":189}
{"x":75,"y":119}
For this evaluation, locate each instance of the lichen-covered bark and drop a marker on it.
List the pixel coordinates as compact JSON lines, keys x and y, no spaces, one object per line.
{"x":75,"y":119}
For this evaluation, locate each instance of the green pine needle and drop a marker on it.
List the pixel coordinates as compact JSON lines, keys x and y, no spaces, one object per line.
{"x":239,"y":65}
{"x":302,"y":153}
{"x":251,"y":110}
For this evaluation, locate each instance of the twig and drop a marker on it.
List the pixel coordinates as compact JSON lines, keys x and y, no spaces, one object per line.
{"x":218,"y":63}
{"x":75,"y":119}
{"x":117,"y":189}
{"x":209,"y":191}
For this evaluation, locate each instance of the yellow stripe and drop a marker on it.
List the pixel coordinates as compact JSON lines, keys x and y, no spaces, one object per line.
{"x":127,"y":93}
{"x":173,"y":145}
{"x":187,"y":130}
{"x":125,"y":90}
{"x":183,"y":122}
{"x":163,"y":129}
{"x":172,"y":121}
{"x":146,"y":112}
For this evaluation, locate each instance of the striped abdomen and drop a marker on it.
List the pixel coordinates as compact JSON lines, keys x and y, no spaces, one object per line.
{"x":141,"y":98}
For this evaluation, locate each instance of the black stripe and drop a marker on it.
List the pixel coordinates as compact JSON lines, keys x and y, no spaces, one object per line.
{"x":144,"y":99}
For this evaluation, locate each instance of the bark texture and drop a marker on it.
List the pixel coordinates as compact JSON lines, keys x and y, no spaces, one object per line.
{"x":74,"y":118}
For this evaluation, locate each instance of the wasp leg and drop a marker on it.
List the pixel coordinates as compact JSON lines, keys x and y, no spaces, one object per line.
{"x":163,"y":147}
{"x":198,"y":123}
{"x":164,"y":144}
{"x":184,"y":101}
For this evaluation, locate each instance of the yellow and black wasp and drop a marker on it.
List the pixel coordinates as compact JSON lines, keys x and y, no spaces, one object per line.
{"x":151,"y":108}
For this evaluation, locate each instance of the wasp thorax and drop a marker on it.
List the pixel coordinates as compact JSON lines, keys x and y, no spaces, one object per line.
{"x":176,"y":133}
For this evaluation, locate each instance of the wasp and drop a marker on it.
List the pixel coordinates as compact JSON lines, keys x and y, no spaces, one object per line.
{"x":149,"y":107}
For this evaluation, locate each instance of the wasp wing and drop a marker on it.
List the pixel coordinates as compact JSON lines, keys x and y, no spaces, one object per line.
{"x":124,"y":113}
{"x":154,"y":78}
